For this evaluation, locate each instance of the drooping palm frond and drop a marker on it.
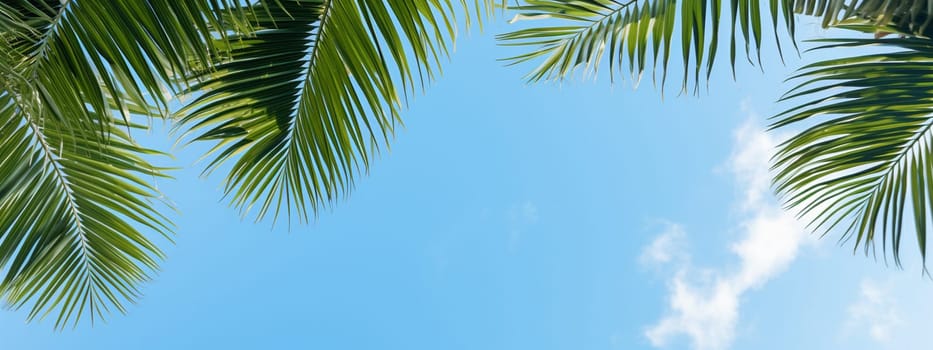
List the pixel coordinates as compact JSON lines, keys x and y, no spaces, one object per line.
{"x":907,"y":16}
{"x":74,"y":195}
{"x":866,"y":162}
{"x":639,"y":33}
{"x":70,"y":53}
{"x":72,"y":203}
{"x":301,"y":103}
{"x":72,"y":212}
{"x":866,"y":159}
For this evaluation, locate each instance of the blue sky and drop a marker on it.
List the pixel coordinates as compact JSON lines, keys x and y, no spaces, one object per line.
{"x":506,"y":216}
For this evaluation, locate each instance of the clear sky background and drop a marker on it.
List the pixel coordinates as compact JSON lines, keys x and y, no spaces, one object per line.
{"x":508,"y":216}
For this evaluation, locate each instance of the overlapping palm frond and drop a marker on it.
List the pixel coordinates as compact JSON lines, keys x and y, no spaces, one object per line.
{"x":72,"y":213}
{"x":906,"y":16}
{"x":866,"y":160}
{"x":303,"y":92}
{"x":56,"y":41}
{"x":75,"y":195}
{"x":866,"y":163}
{"x":299,"y":95}
{"x":642,"y":33}
{"x":639,"y":33}
{"x":302,"y":102}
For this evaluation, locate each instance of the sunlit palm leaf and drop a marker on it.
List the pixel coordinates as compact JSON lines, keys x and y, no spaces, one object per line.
{"x":72,"y":210}
{"x":73,"y":199}
{"x":302,"y":102}
{"x":908,"y":16}
{"x":638,"y":34}
{"x":72,"y":55}
{"x":865,"y":160}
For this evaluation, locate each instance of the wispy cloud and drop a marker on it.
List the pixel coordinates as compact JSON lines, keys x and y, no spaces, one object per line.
{"x":666,"y":247}
{"x":889,"y":310}
{"x":704,"y":303}
{"x":875,"y":312}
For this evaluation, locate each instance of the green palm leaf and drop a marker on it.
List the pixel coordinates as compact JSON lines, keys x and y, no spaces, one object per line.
{"x":303,"y":92}
{"x":74,"y":200}
{"x":638,"y":34}
{"x":908,"y":16}
{"x":641,"y":33}
{"x":72,"y":210}
{"x":54,"y":41}
{"x":301,"y":102}
{"x":865,"y":158}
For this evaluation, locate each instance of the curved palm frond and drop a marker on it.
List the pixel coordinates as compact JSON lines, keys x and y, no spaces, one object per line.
{"x":301,"y":102}
{"x":866,"y":158}
{"x":50,"y":42}
{"x":868,"y":161}
{"x":582,"y":32}
{"x":626,"y":31}
{"x":73,"y":200}
{"x":907,"y":16}
{"x":72,"y":207}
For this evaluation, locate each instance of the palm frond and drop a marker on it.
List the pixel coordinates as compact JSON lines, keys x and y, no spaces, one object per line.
{"x":72,"y":211}
{"x":639,"y":33}
{"x":907,"y":16}
{"x":70,"y":54}
{"x":74,"y":199}
{"x":302,"y":101}
{"x":579,"y":34}
{"x":866,"y":158}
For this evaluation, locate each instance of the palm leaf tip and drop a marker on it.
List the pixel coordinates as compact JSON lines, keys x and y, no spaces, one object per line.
{"x":863,"y":163}
{"x":579,"y":34}
{"x":636,"y":34}
{"x":51,"y":41}
{"x":74,"y":210}
{"x":300,"y":104}
{"x":77,"y":202}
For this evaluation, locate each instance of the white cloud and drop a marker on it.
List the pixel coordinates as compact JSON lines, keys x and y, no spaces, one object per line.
{"x":875,"y":312}
{"x":752,"y":150}
{"x":707,"y":309}
{"x":890,"y":310}
{"x":669,"y":245}
{"x":707,"y":313}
